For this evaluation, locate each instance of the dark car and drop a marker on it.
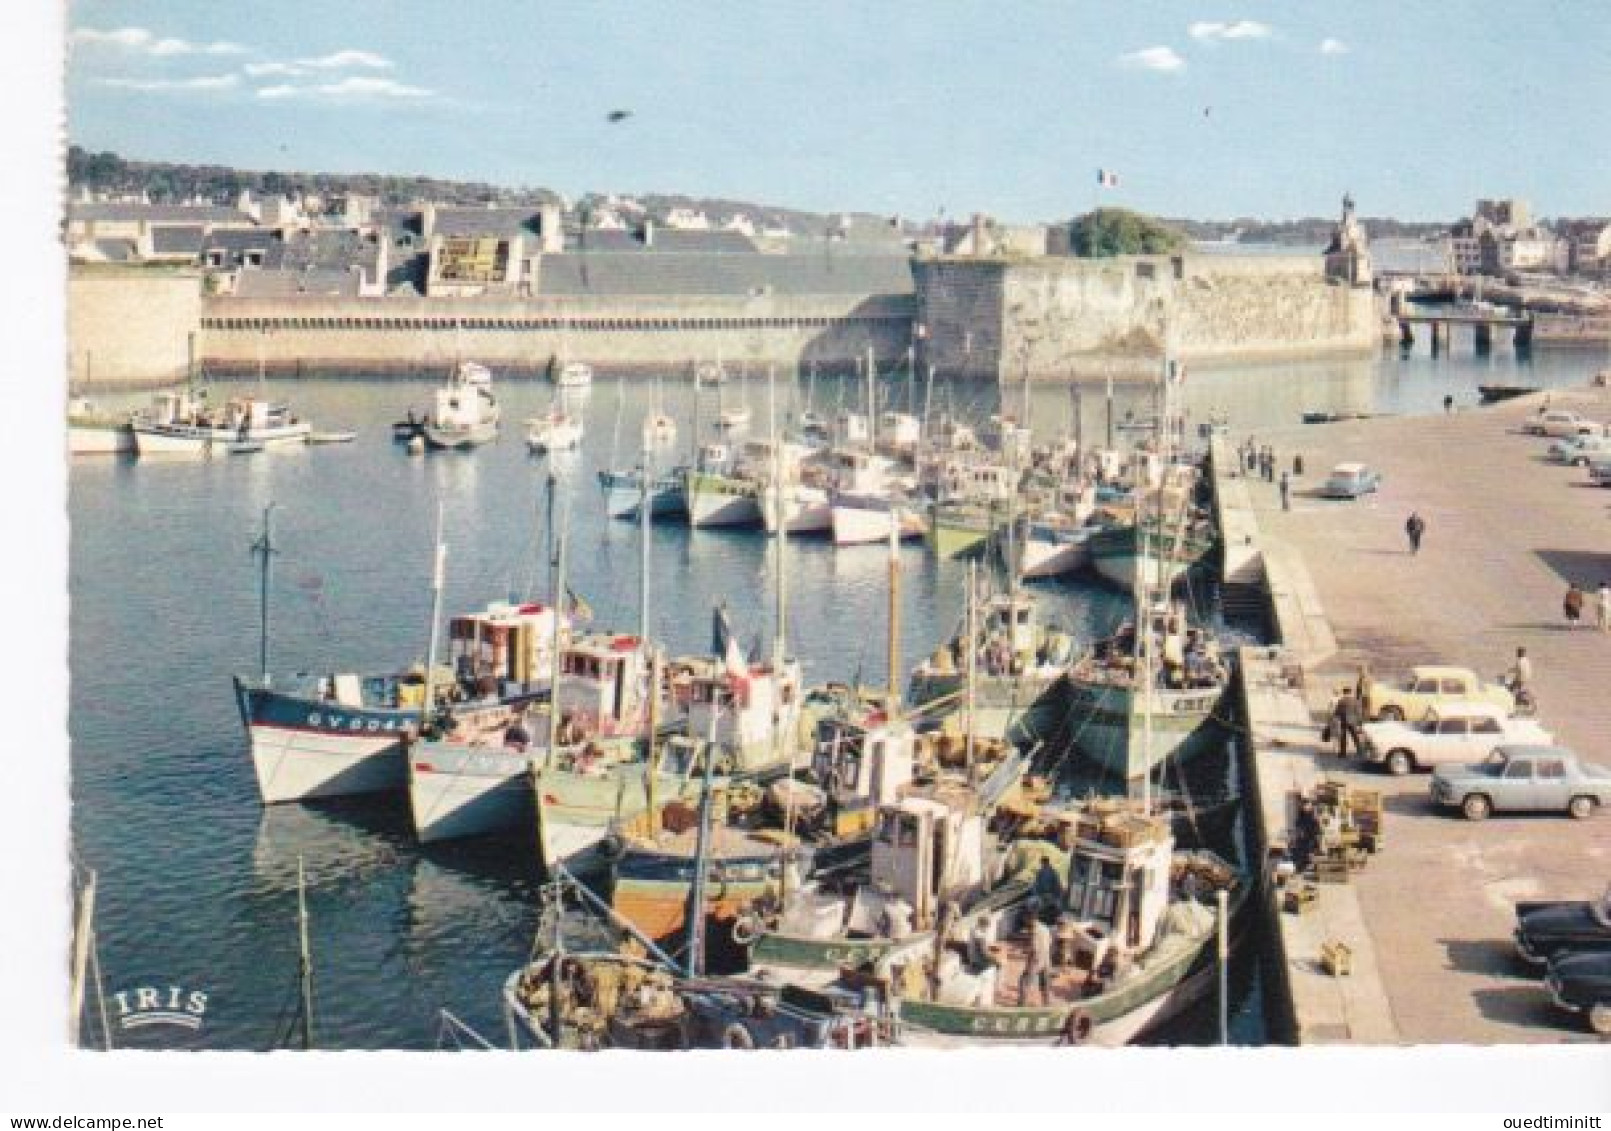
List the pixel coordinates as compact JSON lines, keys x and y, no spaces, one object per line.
{"x":1544,"y":930}
{"x":1581,"y":983}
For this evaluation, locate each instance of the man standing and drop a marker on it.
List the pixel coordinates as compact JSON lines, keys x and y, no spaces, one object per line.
{"x":1602,"y":610}
{"x":1286,"y":492}
{"x":1038,"y":969}
{"x":1521,"y":673}
{"x":1346,"y":718}
{"x":1415,"y":527}
{"x":1572,"y":605}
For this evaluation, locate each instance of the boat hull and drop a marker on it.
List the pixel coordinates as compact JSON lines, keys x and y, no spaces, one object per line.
{"x":718,"y":500}
{"x":1020,"y":710}
{"x":576,"y":812}
{"x":652,"y":891}
{"x":861,"y":520}
{"x":1108,"y":729}
{"x":623,"y":494}
{"x":306,"y":748}
{"x":1054,"y":557}
{"x":448,"y":439}
{"x":1118,"y":1017}
{"x":179,"y":440}
{"x":804,"y":512}
{"x":89,"y":438}
{"x":456,"y":792}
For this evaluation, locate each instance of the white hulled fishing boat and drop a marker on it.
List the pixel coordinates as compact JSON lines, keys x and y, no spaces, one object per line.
{"x":183,"y":423}
{"x":466,"y":413}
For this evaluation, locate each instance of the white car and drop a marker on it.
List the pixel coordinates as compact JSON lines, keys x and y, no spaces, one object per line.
{"x":1455,"y":733}
{"x":1579,"y":450}
{"x":1560,"y":422}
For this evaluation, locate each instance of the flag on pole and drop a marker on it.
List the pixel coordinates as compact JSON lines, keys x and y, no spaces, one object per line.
{"x":1107,"y":178}
{"x":725,"y":645}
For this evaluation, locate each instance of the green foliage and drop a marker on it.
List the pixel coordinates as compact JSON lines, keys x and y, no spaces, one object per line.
{"x":1118,"y":231}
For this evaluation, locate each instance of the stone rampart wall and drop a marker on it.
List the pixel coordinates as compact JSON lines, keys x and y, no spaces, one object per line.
{"x":128,"y":327}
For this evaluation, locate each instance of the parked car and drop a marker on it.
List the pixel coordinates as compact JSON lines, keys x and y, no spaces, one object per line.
{"x":1430,"y":686}
{"x":1544,"y":930}
{"x":1559,"y":422}
{"x":1600,"y":471}
{"x":1523,"y":779}
{"x":1579,"y":450}
{"x":1581,"y":983}
{"x":1453,"y":734}
{"x":1350,"y":481}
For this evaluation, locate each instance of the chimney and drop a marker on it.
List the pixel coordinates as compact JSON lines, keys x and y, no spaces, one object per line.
{"x":648,"y":232}
{"x":978,"y":235}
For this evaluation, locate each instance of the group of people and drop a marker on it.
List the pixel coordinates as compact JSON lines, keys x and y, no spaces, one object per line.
{"x":1572,"y":606}
{"x":1262,"y":460}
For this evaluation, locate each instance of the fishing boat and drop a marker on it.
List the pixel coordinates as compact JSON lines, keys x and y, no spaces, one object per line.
{"x":347,"y":733}
{"x":466,"y":413}
{"x":557,"y":430}
{"x":623,"y":493}
{"x":717,"y":492}
{"x":1134,"y":942}
{"x":1109,"y":697}
{"x":1012,"y":674}
{"x":92,"y":431}
{"x":183,"y":423}
{"x":572,"y":375}
{"x":1121,"y":551}
{"x":1054,"y":544}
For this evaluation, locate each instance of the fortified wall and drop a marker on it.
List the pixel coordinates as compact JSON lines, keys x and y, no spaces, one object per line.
{"x":1083,"y":319}
{"x":620,"y":335}
{"x":130,"y":326}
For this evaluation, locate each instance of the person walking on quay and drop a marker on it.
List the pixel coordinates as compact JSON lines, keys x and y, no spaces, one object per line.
{"x":1346,"y":718}
{"x":1363,"y":686}
{"x":1448,"y":404}
{"x":1286,"y":492}
{"x":1414,"y":528}
{"x":1572,"y":605}
{"x":1602,"y":608}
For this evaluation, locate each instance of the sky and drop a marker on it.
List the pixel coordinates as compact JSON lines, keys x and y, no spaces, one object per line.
{"x":1210,"y":110}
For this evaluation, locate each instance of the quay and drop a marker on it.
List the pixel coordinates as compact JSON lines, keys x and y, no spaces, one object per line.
{"x":1429,"y":920}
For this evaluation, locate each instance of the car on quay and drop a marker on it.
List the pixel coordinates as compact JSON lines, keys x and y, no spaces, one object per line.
{"x":1560,"y":422}
{"x":1349,"y":481}
{"x":1581,"y":984}
{"x":1558,"y":926}
{"x":1428,"y":687}
{"x":1523,"y":779}
{"x":1600,"y":471}
{"x":1579,"y":451}
{"x":1451,"y":734}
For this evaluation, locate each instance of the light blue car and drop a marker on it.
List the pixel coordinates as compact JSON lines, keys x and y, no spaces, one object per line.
{"x":1349,"y":481}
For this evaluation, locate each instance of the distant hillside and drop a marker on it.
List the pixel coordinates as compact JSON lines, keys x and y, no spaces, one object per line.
{"x":167,"y":182}
{"x":1306,"y":232}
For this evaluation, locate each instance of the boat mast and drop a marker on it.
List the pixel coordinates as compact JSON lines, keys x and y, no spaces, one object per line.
{"x":82,"y":942}
{"x":264,"y":549}
{"x":872,"y":405}
{"x":973,"y":665}
{"x":780,"y":536}
{"x":554,"y":661}
{"x":645,"y":510}
{"x":696,"y":895}
{"x":894,"y":616}
{"x":438,"y":570}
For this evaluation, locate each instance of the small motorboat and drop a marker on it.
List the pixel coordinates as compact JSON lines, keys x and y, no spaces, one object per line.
{"x":1492,"y":394}
{"x":245,"y":447}
{"x":332,"y":437}
{"x":556,"y":431}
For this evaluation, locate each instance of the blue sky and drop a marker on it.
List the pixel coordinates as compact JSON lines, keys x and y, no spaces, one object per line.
{"x":1210,"y":110}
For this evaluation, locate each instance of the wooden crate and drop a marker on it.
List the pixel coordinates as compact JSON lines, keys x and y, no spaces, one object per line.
{"x":1336,"y":959}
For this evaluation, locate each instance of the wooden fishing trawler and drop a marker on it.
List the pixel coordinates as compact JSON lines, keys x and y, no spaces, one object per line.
{"x":1130,"y":926}
{"x":466,"y":413}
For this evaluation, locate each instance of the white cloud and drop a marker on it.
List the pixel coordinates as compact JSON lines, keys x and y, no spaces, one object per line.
{"x":338,"y":60}
{"x":1333,"y":47}
{"x":1154,"y":59}
{"x":354,"y":88}
{"x":200,"y":82}
{"x":1240,"y":29}
{"x":143,"y":41}
{"x":265,"y":70}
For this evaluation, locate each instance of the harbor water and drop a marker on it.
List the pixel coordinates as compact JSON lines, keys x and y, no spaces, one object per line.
{"x":197,"y":883}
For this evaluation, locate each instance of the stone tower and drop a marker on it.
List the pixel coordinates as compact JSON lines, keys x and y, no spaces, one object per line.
{"x":1348,"y":253}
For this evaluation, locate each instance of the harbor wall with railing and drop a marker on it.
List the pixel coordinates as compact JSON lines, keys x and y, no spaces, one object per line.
{"x":1061,"y":318}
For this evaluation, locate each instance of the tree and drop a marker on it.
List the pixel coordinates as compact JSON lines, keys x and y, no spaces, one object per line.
{"x":1118,"y":231}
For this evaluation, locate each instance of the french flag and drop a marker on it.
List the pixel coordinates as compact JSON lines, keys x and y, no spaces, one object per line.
{"x":1107,"y":178}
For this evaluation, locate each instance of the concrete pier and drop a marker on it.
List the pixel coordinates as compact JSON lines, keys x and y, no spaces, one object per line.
{"x":1430,"y":918}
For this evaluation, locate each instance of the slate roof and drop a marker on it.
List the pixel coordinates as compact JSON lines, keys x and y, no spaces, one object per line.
{"x":164,"y":214}
{"x":666,"y":241}
{"x":291,"y":284}
{"x":672,"y":273}
{"x":176,"y":240}
{"x":506,"y":223}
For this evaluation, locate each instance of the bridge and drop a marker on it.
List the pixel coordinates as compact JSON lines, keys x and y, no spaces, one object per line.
{"x":1482,"y":323}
